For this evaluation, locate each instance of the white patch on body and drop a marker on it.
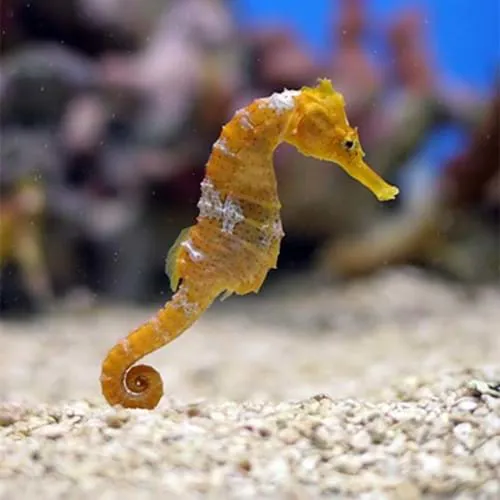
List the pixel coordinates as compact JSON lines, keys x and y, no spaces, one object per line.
{"x":212,"y":207}
{"x":271,"y":232}
{"x":278,"y":229}
{"x":194,"y":254}
{"x":155,"y":323}
{"x":281,"y":101}
{"x":209,"y":204}
{"x":221,"y":145}
{"x":125,"y":346}
{"x":181,"y":301}
{"x":244,"y":119}
{"x":232,"y":214}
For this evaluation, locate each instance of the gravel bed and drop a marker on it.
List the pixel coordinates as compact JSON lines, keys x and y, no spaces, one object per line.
{"x":381,"y":389}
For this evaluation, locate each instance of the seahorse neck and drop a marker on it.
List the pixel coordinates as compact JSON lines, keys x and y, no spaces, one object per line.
{"x":241,"y":160}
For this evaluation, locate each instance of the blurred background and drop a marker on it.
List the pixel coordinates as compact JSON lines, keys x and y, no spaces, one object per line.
{"x":109,"y":109}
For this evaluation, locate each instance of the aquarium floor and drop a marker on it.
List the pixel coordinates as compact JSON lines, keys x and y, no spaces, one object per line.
{"x":309,"y":391}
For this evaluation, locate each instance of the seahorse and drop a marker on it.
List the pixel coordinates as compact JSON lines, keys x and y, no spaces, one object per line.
{"x":236,"y":239}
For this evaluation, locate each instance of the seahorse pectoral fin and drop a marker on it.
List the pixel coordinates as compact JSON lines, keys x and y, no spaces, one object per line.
{"x":171,"y":261}
{"x":360,"y":171}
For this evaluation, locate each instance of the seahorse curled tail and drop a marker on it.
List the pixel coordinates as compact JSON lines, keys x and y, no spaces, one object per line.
{"x":140,"y":386}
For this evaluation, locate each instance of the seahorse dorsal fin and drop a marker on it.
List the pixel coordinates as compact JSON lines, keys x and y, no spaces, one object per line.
{"x":171,"y":260}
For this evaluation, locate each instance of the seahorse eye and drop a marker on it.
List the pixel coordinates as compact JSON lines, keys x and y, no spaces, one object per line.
{"x":348,"y":144}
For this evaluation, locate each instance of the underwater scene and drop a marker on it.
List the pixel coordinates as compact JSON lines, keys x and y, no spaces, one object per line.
{"x":304,"y":195}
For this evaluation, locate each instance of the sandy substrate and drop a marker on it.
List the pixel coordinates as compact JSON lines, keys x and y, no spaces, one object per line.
{"x":362,"y":391}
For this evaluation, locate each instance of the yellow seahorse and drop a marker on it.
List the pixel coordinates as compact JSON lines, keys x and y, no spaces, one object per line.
{"x":236,"y":239}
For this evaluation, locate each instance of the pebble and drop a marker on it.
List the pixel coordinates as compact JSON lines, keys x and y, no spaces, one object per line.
{"x":377,"y":431}
{"x":464,"y":434}
{"x":348,"y":464}
{"x":289,"y":436}
{"x":55,"y":431}
{"x":7,"y":419}
{"x":405,"y":490}
{"x":361,"y":441}
{"x":467,"y":405}
{"x":117,"y":419}
{"x":397,"y":446}
{"x":490,"y":452}
{"x":429,"y":464}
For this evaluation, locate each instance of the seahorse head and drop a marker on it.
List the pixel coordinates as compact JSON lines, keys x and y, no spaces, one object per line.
{"x":319,"y":128}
